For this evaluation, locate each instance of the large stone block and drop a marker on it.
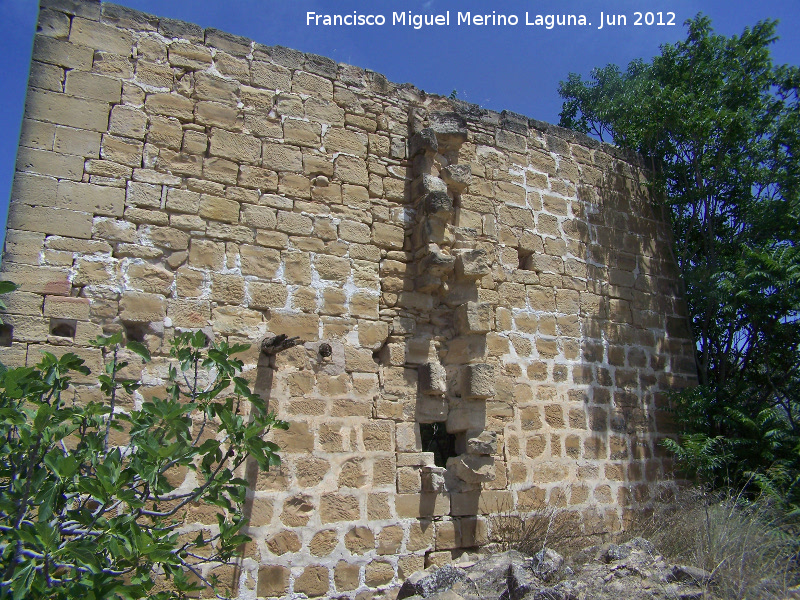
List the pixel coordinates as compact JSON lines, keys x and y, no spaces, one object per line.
{"x":149,"y":278}
{"x":432,"y":379}
{"x":188,"y":55}
{"x":351,"y":169}
{"x":421,"y":505}
{"x":52,"y":221}
{"x":466,"y":415}
{"x":483,"y":443}
{"x":235,"y":146}
{"x":431,"y":409}
{"x":475,"y":317}
{"x":64,"y":54}
{"x":473,"y":468}
{"x":266,"y":295}
{"x":273,"y":581}
{"x":338,"y":507}
{"x":170,"y":105}
{"x":94,"y":87}
{"x":49,"y":163}
{"x":217,"y":114}
{"x":86,"y":197}
{"x":142,"y":307}
{"x":479,"y":381}
{"x":343,"y":140}
{"x":312,"y":582}
{"x":219,"y":209}
{"x":66,"y":308}
{"x":472,"y":264}
{"x":346,"y":576}
{"x":387,"y":236}
{"x":359,"y":540}
{"x":306,"y":326}
{"x":378,"y":573}
{"x":101,"y":37}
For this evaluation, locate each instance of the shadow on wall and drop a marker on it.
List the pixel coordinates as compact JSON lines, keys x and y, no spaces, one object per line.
{"x":635,"y":342}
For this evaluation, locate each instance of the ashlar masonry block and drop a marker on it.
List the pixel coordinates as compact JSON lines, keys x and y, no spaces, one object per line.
{"x":472,"y":264}
{"x":475,"y":317}
{"x":479,"y":381}
{"x":473,"y":468}
{"x":432,"y":379}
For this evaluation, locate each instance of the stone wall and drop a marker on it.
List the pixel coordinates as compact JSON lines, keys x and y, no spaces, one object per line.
{"x":496,"y":280}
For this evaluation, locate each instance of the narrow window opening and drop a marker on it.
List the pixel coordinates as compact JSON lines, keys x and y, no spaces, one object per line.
{"x":63,"y":327}
{"x":6,"y":334}
{"x":436,"y":439}
{"x":135,"y":331}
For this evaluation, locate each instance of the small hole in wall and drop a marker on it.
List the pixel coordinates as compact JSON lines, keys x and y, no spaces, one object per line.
{"x":135,"y":331}
{"x":525,"y":259}
{"x":6,"y":334}
{"x":63,"y":327}
{"x":436,"y":439}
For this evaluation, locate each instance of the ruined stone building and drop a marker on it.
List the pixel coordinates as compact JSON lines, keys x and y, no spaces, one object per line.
{"x":498,"y":295}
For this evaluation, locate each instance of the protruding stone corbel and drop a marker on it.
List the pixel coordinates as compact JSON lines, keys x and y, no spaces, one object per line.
{"x":473,"y":264}
{"x":479,"y":381}
{"x":472,"y":468}
{"x":436,"y":262}
{"x":439,"y":205}
{"x":483,"y":443}
{"x":475,"y":317}
{"x":457,"y":177}
{"x":450,"y":129}
{"x":432,"y":379}
{"x":424,"y":141}
{"x":433,"y":479}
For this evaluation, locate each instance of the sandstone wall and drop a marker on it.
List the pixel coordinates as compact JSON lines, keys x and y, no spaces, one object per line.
{"x":504,"y":279}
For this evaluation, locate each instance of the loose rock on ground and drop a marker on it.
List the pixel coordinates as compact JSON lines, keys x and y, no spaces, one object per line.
{"x":630,"y":571}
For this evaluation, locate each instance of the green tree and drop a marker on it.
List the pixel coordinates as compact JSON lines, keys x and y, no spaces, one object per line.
{"x":82,"y":517}
{"x":719,"y":126}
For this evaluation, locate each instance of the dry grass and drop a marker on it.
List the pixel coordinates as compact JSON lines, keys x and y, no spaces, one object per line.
{"x":751,"y":550}
{"x":531,"y":533}
{"x":748,"y":546}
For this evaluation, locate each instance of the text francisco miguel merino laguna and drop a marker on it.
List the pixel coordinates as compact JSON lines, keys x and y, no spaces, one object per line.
{"x":418,"y":21}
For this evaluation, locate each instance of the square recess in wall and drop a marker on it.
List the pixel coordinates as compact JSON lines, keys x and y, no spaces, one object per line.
{"x":135,"y":330}
{"x":63,"y":327}
{"x":6,"y":334}
{"x":525,"y":259}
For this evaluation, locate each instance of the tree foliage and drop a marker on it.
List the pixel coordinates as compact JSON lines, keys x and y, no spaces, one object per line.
{"x":84,"y":517}
{"x":719,"y":125}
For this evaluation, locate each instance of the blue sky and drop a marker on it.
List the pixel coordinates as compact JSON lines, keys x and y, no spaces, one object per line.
{"x":514,"y":68}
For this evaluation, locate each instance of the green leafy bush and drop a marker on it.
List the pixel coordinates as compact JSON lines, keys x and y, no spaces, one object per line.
{"x":81,"y":517}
